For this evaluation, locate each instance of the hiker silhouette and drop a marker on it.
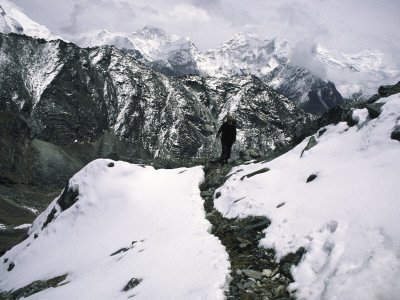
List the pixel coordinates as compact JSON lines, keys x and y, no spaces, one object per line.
{"x":228,"y":137}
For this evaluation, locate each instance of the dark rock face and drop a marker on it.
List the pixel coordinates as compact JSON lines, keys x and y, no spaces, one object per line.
{"x":309,"y":92}
{"x":33,"y":288}
{"x":14,"y":139}
{"x":388,"y":90}
{"x":396,"y":133}
{"x":68,"y":197}
{"x":374,"y":109}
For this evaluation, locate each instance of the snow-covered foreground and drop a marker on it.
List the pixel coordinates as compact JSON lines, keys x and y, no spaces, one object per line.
{"x":157,"y":215}
{"x":347,"y":218}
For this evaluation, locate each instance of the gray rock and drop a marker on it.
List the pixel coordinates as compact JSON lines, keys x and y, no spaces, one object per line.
{"x":311,"y":177}
{"x":10,"y":267}
{"x":263,"y":170}
{"x":396,"y":133}
{"x":374,"y":109}
{"x":267,"y":272}
{"x":252,"y":274}
{"x":286,"y":269}
{"x":68,"y":197}
{"x":33,"y":288}
{"x":280,"y":291}
{"x":250,"y":154}
{"x":312,"y":142}
{"x":134,"y":282}
{"x":207,"y":193}
{"x":248,"y":284}
{"x":388,"y":90}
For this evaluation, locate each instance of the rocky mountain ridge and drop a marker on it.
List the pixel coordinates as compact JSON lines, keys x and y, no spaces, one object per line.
{"x":105,"y":101}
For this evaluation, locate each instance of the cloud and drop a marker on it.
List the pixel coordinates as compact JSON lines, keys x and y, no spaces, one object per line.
{"x":71,"y":26}
{"x":349,"y":26}
{"x":303,"y":55}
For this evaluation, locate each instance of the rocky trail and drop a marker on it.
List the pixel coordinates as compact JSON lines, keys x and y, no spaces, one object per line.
{"x":254,"y":272}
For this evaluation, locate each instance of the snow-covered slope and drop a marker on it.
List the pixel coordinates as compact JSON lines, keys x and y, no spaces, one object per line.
{"x":13,"y":20}
{"x":129,"y":224}
{"x":119,"y":226}
{"x":345,"y":215}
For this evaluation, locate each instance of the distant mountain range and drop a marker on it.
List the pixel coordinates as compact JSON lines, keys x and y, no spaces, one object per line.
{"x":312,"y":76}
{"x":244,"y":54}
{"x":307,"y":74}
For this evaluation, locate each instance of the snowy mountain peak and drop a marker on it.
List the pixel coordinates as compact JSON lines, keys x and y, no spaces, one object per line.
{"x":254,"y":42}
{"x":153,"y":32}
{"x":12,"y":20}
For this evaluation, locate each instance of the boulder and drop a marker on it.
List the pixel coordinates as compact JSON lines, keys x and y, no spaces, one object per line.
{"x":312,"y":142}
{"x":388,"y":90}
{"x":396,"y":133}
{"x":374,"y":109}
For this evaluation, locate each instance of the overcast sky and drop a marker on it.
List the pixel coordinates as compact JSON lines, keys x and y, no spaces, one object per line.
{"x":346,"y":25}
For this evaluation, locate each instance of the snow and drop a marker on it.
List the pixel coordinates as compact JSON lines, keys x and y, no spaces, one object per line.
{"x":346,"y":219}
{"x":157,"y":215}
{"x":23,"y":226}
{"x":13,"y":20}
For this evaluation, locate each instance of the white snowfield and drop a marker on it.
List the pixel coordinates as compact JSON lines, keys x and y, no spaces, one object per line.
{"x":347,"y":219}
{"x":14,"y":20}
{"x":159,"y":211}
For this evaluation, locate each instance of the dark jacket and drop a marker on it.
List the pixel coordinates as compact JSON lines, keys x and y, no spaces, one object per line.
{"x":228,"y":132}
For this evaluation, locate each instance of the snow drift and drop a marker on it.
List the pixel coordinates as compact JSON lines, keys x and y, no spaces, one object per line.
{"x":339,"y":200}
{"x":127,"y":222}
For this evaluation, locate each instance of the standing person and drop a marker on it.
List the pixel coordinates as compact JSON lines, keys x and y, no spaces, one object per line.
{"x":228,"y":131}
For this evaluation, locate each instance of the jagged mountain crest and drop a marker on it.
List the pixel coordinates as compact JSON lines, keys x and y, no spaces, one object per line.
{"x":243,"y":54}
